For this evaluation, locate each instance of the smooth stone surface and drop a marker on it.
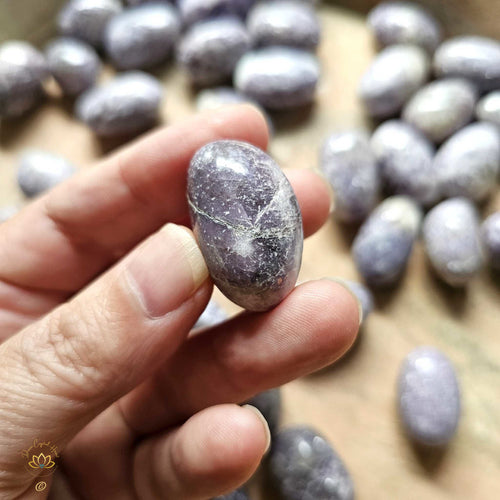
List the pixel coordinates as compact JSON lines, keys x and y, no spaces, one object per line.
{"x":74,"y":64}
{"x":239,"y":494}
{"x":139,"y":2}
{"x":278,"y":77}
{"x":488,"y":108}
{"x":405,"y":159}
{"x":269,"y":403}
{"x":429,"y":397}
{"x":393,"y":77}
{"x":304,"y":466}
{"x":292,"y":23}
{"x":473,"y":57}
{"x":142,"y":36}
{"x":210,"y":50}
{"x":212,"y":315}
{"x":404,"y":22}
{"x":364,"y":296}
{"x":350,"y":166}
{"x":87,"y":19}
{"x":452,"y":241}
{"x":7,"y":212}
{"x":127,"y":104}
{"x":247,"y":222}
{"x":490,"y":235}
{"x":39,"y":171}
{"x":193,"y":11}
{"x":468,"y":163}
{"x":441,"y":108}
{"x":25,"y":55}
{"x":384,"y":242}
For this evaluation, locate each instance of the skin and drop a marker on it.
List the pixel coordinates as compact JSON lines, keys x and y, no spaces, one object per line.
{"x":96,"y":305}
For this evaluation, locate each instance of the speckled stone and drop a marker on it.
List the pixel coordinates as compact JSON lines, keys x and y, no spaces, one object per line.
{"x":384,"y":242}
{"x":278,"y":77}
{"x":74,"y":64}
{"x":247,"y":222}
{"x":393,"y":77}
{"x":143,"y":36}
{"x":452,"y":241}
{"x":212,"y":315}
{"x":441,"y":108}
{"x":7,"y":212}
{"x":350,"y":166}
{"x":405,"y":159}
{"x":193,"y":11}
{"x":490,"y":234}
{"x":473,"y":57}
{"x":126,"y":105}
{"x":468,"y":163}
{"x":404,"y":22}
{"x":429,"y":397}
{"x":292,"y":23}
{"x":364,"y":296}
{"x":210,"y":50}
{"x":269,"y":404}
{"x":87,"y":19}
{"x":304,"y":466}
{"x":488,"y":108}
{"x":39,"y":171}
{"x":239,"y":494}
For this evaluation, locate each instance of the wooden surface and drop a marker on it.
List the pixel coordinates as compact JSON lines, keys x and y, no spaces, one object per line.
{"x":353,"y":402}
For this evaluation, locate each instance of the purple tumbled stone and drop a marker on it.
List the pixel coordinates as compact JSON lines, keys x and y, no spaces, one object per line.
{"x":490,"y":233}
{"x":212,"y":315}
{"x":364,"y":296}
{"x":239,"y":494}
{"x":193,"y":11}
{"x":269,"y":404}
{"x":247,"y":222}
{"x":488,"y":108}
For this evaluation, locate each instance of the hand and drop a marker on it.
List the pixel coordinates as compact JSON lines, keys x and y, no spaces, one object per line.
{"x":99,"y":288}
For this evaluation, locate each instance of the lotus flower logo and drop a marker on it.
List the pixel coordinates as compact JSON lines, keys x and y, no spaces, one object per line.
{"x":41,"y":462}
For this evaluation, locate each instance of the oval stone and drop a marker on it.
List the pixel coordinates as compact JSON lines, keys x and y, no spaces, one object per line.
{"x":468,"y":163}
{"x":452,"y":241}
{"x":239,"y":494}
{"x":488,"y":108}
{"x":193,"y":11}
{"x":351,"y":168}
{"x":24,"y":55}
{"x":304,"y":466}
{"x":490,"y":233}
{"x":441,"y":108}
{"x":247,"y":222}
{"x":393,"y":77}
{"x":405,"y":159}
{"x":278,"y":77}
{"x":384,"y":242}
{"x":269,"y":404}
{"x":429,"y":397}
{"x":212,"y":315}
{"x":364,"y":296}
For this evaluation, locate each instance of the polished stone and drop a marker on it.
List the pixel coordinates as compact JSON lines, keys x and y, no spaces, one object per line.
{"x":488,"y":108}
{"x":211,"y":316}
{"x":239,"y":494}
{"x":193,"y":11}
{"x":490,"y":233}
{"x":364,"y":296}
{"x":269,"y":403}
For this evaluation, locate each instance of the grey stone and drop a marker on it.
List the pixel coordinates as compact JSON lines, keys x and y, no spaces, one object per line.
{"x":24,"y":55}
{"x":304,"y":466}
{"x":384,"y":242}
{"x":490,"y":233}
{"x":193,"y":11}
{"x":404,"y":22}
{"x":211,"y":316}
{"x":429,"y":397}
{"x":452,"y":241}
{"x":278,"y":77}
{"x":7,"y":212}
{"x":441,"y":108}
{"x":351,"y":168}
{"x":139,"y":2}
{"x":364,"y":296}
{"x":473,"y":57}
{"x":247,"y":222}
{"x":292,"y":23}
{"x":405,"y":158}
{"x":87,"y":19}
{"x":126,"y":105}
{"x":239,"y":494}
{"x":393,"y":77}
{"x":142,"y":36}
{"x":269,"y":404}
{"x":468,"y":163}
{"x":210,"y":50}
{"x":39,"y":171}
{"x":488,"y":108}
{"x":74,"y":64}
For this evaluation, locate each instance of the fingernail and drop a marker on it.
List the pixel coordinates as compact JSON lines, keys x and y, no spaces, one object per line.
{"x":343,"y":283}
{"x":167,"y":270}
{"x":331,"y":193}
{"x":264,"y":423}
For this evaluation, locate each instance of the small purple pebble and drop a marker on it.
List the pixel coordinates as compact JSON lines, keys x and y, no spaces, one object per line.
{"x":364,"y":296}
{"x":488,"y":108}
{"x":269,"y":404}
{"x":239,"y":494}
{"x":212,"y":315}
{"x":193,"y":11}
{"x":490,"y":233}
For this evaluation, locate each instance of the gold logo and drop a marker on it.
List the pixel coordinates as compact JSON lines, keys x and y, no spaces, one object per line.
{"x":41,"y":461}
{"x":40,"y":486}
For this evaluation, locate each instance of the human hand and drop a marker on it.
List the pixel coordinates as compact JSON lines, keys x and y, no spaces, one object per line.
{"x":97,"y":298}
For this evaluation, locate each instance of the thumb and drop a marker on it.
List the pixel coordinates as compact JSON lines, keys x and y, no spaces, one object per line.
{"x":59,"y":373}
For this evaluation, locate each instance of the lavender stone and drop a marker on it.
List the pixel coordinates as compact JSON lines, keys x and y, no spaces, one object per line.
{"x":142,"y":36}
{"x":452,"y":241}
{"x":405,"y":158}
{"x":488,"y":108}
{"x":364,"y":296}
{"x":441,"y":108}
{"x":210,"y":49}
{"x":393,"y":77}
{"x":212,"y":315}
{"x":467,"y":164}
{"x":234,"y":495}
{"x":404,"y":22}
{"x":429,"y":397}
{"x":351,"y":168}
{"x":269,"y":404}
{"x":74,"y":65}
{"x":304,"y":466}
{"x":278,"y":77}
{"x":247,"y":222}
{"x":7,"y":212}
{"x":128,"y":104}
{"x":193,"y":11}
{"x":24,"y":55}
{"x":139,"y":2}
{"x":384,"y":242}
{"x":490,"y":233}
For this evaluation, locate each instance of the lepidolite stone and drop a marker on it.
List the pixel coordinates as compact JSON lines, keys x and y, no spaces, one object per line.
{"x":212,"y":315}
{"x":269,"y":404}
{"x":239,"y":494}
{"x":304,"y":466}
{"x":247,"y":222}
{"x":488,"y":108}
{"x":490,"y":233}
{"x":364,"y":296}
{"x":193,"y":11}
{"x":429,"y":397}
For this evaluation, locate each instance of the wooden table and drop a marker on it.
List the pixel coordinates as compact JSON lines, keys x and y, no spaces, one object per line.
{"x":353,"y":402}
